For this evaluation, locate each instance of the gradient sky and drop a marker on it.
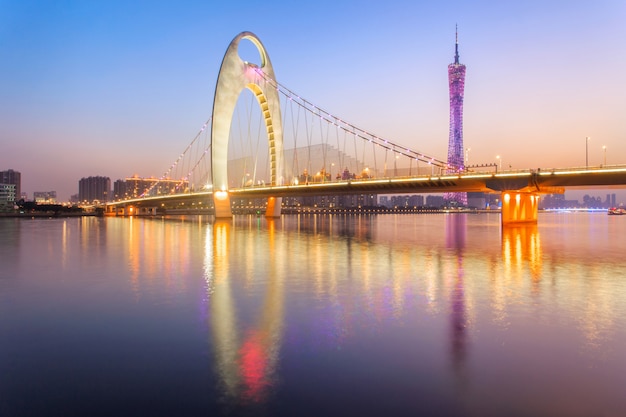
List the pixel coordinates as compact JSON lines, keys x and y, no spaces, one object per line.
{"x":117,"y":88}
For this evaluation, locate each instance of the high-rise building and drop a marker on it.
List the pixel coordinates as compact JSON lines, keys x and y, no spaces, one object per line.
{"x":94,"y":189}
{"x":12,"y":177}
{"x":456,"y":83}
{"x":7,"y":196}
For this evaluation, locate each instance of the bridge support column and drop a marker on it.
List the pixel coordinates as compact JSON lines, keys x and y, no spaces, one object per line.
{"x":221,"y":201}
{"x":273,"y":206}
{"x":518,"y":207}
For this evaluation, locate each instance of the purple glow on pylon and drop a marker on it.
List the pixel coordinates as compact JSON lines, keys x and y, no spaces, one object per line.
{"x":456,"y":82}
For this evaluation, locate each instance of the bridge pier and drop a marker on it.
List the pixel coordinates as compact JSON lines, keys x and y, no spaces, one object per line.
{"x":273,"y":206}
{"x":221,"y":201}
{"x":519,"y":207}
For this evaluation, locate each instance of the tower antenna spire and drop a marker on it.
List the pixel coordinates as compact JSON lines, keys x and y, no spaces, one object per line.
{"x":456,"y":44}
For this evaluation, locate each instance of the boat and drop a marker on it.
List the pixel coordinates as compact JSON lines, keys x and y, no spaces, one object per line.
{"x":616,"y":211}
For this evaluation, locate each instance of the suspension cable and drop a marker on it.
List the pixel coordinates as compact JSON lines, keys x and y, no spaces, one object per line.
{"x":363,"y":134}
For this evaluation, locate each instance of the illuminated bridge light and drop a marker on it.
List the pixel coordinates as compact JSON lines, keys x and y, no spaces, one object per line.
{"x":418,"y":179}
{"x":584,"y":171}
{"x":329,"y":184}
{"x":221,"y":195}
{"x":514,"y":174}
{"x":478,"y":176}
{"x":385,"y":181}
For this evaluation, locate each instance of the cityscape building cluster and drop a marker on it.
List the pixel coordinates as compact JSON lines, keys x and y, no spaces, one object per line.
{"x":97,"y":189}
{"x":135,"y":187}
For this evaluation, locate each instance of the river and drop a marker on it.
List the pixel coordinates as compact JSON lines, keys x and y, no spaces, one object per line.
{"x":313,"y":315}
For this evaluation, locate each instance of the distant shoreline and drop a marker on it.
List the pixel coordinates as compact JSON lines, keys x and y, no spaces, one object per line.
{"x":46,"y":214}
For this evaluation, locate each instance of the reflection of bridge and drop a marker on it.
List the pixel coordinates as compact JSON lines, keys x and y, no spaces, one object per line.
{"x":242,"y":165}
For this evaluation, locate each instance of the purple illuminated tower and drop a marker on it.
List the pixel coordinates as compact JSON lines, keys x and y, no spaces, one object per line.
{"x":456,"y":81}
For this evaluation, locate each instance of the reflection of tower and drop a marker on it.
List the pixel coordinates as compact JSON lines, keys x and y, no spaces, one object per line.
{"x":456,"y":81}
{"x":455,"y":240}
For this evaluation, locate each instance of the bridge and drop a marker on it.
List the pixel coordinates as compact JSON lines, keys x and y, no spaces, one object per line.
{"x":232,"y":157}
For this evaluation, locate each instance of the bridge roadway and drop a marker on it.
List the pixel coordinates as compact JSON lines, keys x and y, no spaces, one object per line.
{"x":550,"y":181}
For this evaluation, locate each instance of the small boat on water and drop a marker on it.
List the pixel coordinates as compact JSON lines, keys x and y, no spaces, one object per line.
{"x":615,"y":211}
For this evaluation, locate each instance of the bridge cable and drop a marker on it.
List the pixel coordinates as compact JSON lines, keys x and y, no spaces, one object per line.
{"x":167,"y":173}
{"x":363,"y":134}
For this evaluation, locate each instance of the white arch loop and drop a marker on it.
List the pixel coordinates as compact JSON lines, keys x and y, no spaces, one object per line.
{"x":235,"y":75}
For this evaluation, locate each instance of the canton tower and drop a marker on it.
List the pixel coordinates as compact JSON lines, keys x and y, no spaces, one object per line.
{"x":456,"y":82}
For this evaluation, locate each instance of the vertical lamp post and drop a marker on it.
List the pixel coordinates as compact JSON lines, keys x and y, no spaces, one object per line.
{"x":587,"y":152}
{"x":500,"y":161}
{"x":467,"y":157}
{"x":604,"y":149}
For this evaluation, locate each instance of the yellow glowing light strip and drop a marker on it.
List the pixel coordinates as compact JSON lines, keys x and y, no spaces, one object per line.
{"x":477,"y":176}
{"x":326,"y":184}
{"x":583,"y":171}
{"x":514,"y":174}
{"x":385,"y":181}
{"x":608,"y":171}
{"x":420,"y":179}
{"x":291,"y":187}
{"x":159,"y":197}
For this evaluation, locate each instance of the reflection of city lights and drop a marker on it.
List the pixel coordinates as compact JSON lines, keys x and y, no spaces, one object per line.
{"x":253,"y":365}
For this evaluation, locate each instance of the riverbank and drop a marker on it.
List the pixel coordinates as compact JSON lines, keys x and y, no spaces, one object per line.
{"x":46,"y":214}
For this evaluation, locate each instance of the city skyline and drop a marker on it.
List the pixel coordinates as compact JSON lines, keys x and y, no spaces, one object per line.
{"x":116,"y":89}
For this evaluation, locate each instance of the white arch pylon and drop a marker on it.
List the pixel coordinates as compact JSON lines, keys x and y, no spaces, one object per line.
{"x":235,"y":75}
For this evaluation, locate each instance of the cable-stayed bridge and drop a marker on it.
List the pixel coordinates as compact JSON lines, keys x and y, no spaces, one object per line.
{"x":263,"y":140}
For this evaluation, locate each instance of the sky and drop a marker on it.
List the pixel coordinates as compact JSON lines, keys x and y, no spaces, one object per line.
{"x":118,"y":88}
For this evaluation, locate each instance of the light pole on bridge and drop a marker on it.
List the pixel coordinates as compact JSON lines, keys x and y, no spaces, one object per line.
{"x":604,"y":149}
{"x":587,"y":152}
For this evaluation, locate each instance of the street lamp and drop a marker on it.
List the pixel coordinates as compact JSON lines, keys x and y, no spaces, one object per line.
{"x":500,"y":160}
{"x":587,"y":151}
{"x":467,"y":156}
{"x":604,"y":149}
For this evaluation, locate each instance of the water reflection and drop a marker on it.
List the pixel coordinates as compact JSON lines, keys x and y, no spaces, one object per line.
{"x":10,"y":235}
{"x":246,"y":356}
{"x":371,"y":312}
{"x":522,"y":245}
{"x":456,"y":229}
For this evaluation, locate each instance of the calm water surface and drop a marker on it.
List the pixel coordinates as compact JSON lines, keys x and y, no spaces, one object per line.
{"x":433,"y":315}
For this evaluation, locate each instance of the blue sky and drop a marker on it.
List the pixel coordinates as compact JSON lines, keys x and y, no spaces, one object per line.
{"x":117,"y":88}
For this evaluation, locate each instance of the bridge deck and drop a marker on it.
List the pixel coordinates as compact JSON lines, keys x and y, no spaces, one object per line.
{"x":536,"y":181}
